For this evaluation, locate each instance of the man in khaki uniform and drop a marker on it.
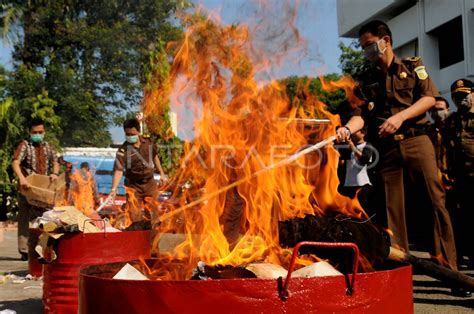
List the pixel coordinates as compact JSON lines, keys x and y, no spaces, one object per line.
{"x":399,"y":93}
{"x":459,"y":139}
{"x":138,"y":158}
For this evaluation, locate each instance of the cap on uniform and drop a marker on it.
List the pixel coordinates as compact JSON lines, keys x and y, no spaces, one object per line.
{"x":461,"y":86}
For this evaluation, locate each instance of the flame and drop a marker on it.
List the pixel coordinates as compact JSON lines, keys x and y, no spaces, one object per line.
{"x":241,"y":128}
{"x":81,"y":192}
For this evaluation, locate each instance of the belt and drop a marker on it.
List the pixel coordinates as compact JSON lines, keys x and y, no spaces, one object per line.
{"x":408,"y":133}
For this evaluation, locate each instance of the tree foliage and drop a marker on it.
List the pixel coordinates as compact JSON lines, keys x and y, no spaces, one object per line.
{"x":352,"y":61}
{"x":77,"y":64}
{"x":88,"y":56}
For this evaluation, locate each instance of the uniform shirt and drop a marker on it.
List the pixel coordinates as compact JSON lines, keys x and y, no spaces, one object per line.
{"x":137,"y":163}
{"x":388,"y":93}
{"x":459,"y":138}
{"x":35,"y":157}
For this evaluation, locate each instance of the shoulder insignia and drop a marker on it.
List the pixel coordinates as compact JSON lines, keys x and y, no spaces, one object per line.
{"x":146,"y":135}
{"x":421,"y":72}
{"x":121,"y":152}
{"x":413,"y":59}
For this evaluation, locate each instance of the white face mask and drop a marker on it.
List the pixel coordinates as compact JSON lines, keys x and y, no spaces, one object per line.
{"x":466,"y":104}
{"x":373,"y":52}
{"x":440,"y":115}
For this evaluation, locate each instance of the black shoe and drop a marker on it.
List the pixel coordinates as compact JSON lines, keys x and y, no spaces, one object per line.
{"x":24,"y":256}
{"x":460,"y":292}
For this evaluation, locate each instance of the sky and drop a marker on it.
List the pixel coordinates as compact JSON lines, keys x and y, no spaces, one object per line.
{"x":316,"y":21}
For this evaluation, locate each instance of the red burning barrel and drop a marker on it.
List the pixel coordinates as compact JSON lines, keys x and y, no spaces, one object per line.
{"x":376,"y":292}
{"x":34,"y":267}
{"x":60,"y":289}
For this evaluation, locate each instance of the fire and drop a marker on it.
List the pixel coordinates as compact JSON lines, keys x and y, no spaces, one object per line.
{"x":241,"y":128}
{"x":81,"y":192}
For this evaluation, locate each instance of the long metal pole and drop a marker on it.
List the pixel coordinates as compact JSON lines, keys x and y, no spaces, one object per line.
{"x":281,"y":163}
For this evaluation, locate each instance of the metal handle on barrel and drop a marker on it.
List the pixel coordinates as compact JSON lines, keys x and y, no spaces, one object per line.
{"x":283,"y":289}
{"x":91,"y":219}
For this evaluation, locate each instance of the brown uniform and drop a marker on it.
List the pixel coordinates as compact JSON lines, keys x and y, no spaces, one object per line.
{"x":34,"y":158}
{"x":459,"y":139}
{"x":138,"y":167}
{"x":408,"y":152}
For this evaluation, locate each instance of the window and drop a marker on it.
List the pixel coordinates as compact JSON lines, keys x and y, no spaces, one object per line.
{"x":450,"y":42}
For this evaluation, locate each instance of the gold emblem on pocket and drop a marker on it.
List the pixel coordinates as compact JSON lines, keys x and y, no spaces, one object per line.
{"x":403,"y":75}
{"x":371,"y":106}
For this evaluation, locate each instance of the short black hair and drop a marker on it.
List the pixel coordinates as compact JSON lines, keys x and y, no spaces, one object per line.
{"x":35,"y":122}
{"x":131,"y":123}
{"x":85,"y":164}
{"x":376,"y":28}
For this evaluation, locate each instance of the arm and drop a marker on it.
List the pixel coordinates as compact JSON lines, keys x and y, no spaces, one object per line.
{"x":158,"y":167}
{"x":54,"y":175}
{"x":116,"y":181}
{"x":344,"y":133}
{"x":19,"y":155}
{"x":392,"y":124}
{"x":17,"y":170}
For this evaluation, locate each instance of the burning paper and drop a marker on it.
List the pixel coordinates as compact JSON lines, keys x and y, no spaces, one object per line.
{"x":129,"y":272}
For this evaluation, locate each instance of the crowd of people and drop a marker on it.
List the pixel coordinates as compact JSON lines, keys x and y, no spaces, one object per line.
{"x":398,"y":96}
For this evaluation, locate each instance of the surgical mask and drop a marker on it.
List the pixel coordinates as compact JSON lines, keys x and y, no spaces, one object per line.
{"x":466,"y":104}
{"x":132,"y":139}
{"x":373,"y":52}
{"x":440,"y":115}
{"x":36,"y":138}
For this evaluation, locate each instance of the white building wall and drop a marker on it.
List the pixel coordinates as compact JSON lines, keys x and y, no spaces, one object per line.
{"x":411,"y":28}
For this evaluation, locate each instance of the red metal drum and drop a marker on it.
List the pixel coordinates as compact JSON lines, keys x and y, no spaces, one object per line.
{"x":386,"y":291}
{"x":35,"y":268}
{"x":61,"y":278}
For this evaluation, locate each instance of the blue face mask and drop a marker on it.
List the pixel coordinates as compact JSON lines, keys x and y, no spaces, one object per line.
{"x":36,"y":138}
{"x":132,"y":139}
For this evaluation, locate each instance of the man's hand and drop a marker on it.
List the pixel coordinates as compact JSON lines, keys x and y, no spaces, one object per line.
{"x":343,"y":134}
{"x":113,"y":193}
{"x":53,"y":177}
{"x":391,"y":125}
{"x":24,"y":184}
{"x":164,"y":178}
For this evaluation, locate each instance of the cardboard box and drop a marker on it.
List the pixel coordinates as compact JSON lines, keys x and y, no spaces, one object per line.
{"x":43,"y":192}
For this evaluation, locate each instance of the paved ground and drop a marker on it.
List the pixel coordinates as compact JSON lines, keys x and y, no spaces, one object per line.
{"x":430,"y":296}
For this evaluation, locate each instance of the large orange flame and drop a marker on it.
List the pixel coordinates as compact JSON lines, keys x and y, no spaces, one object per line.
{"x":241,"y":127}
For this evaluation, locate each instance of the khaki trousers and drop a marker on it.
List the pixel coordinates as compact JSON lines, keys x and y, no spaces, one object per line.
{"x":26,"y":213}
{"x":416,"y":157}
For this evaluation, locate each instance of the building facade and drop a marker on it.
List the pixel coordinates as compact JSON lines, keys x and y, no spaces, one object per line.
{"x":440,"y":31}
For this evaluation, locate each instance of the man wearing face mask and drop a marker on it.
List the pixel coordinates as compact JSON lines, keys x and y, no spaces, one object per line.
{"x":460,"y":140}
{"x":138,"y":158}
{"x":398,"y":95}
{"x":32,"y":155}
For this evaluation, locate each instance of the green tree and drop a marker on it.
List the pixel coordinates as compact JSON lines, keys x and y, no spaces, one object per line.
{"x":88,"y":56}
{"x":352,"y":60}
{"x":296,"y":87}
